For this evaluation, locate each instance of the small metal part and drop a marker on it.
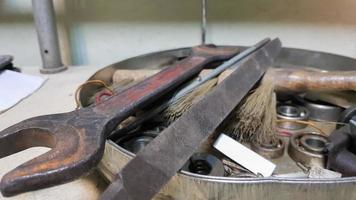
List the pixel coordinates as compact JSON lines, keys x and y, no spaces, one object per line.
{"x":347,"y":114}
{"x":244,"y":156}
{"x":308,"y":149}
{"x":291,"y":113}
{"x":204,"y":164}
{"x":269,"y":151}
{"x":341,"y":98}
{"x":44,"y":16}
{"x":135,"y":140}
{"x":313,"y":143}
{"x":353,"y":128}
{"x":321,"y":173}
{"x":139,"y":143}
{"x":319,"y":111}
{"x":233,"y":169}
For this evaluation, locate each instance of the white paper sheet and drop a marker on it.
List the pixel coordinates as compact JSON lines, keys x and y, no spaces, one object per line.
{"x":15,"y":86}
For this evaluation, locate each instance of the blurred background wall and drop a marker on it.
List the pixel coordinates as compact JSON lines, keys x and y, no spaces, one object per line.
{"x":100,"y":32}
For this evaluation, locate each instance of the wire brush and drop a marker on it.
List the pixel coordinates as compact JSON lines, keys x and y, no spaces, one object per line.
{"x":255,"y":119}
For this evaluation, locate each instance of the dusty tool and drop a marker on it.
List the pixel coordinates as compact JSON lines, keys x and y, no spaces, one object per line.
{"x":256,"y":119}
{"x":77,"y":138}
{"x":181,"y":100}
{"x":155,"y":165}
{"x":176,"y":109}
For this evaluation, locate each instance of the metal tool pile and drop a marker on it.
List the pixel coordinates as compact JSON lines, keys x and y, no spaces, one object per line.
{"x":193,"y":142}
{"x":300,"y":162}
{"x":305,"y":122}
{"x":304,"y":148}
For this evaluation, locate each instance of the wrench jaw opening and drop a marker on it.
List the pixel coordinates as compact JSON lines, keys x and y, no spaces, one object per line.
{"x":19,"y":137}
{"x":74,"y":152}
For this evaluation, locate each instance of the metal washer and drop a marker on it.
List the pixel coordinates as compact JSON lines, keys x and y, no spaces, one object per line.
{"x":291,"y":113}
{"x":319,"y":111}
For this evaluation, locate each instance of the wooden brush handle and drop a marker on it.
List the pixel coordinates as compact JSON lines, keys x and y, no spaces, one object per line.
{"x":284,"y":79}
{"x":304,"y":79}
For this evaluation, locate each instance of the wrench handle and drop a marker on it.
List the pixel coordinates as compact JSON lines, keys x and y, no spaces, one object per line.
{"x":124,"y":104}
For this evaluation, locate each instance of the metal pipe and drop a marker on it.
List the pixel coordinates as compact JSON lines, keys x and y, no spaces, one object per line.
{"x":44,"y":16}
{"x":203,"y":21}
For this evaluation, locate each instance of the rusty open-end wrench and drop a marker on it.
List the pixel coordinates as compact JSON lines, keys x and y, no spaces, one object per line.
{"x":77,"y":138}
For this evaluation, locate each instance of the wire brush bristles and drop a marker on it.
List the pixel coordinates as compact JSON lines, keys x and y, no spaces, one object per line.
{"x":252,"y":121}
{"x":176,"y":109}
{"x":255,"y":119}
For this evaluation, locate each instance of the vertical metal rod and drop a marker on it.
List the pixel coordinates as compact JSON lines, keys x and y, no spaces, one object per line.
{"x":44,"y":16}
{"x":203,"y":21}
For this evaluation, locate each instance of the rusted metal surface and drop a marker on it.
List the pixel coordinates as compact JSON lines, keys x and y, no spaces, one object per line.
{"x":77,"y":138}
{"x":168,"y":152}
{"x":185,"y":185}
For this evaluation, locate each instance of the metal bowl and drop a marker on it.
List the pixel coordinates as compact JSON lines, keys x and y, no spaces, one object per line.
{"x":187,"y":185}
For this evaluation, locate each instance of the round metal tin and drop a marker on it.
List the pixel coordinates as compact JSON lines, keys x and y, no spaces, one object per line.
{"x":186,"y":185}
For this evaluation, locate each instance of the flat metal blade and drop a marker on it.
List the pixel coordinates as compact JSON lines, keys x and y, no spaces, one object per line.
{"x":159,"y":161}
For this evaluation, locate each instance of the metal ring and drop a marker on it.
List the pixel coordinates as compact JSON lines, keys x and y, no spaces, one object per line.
{"x":204,"y":164}
{"x":292,"y":112}
{"x":308,"y":149}
{"x":270,"y":151}
{"x":288,"y":111}
{"x":314,"y":143}
{"x":319,"y":111}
